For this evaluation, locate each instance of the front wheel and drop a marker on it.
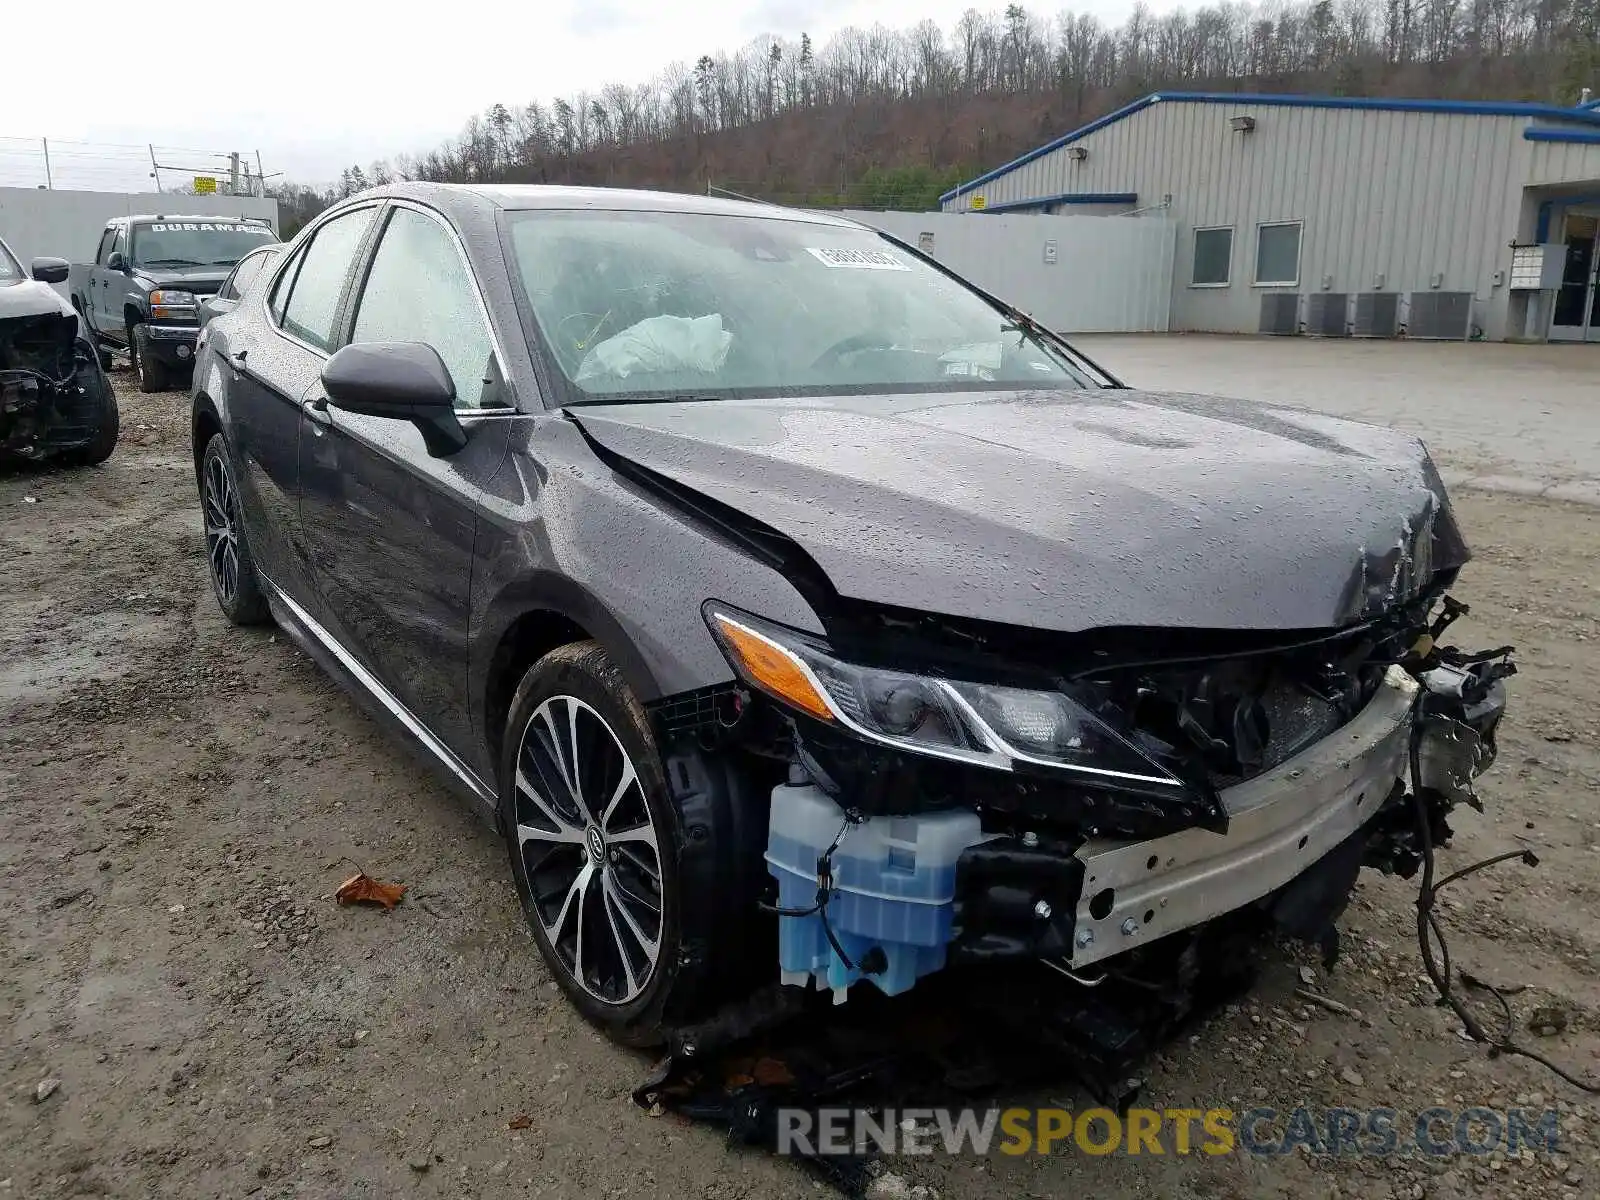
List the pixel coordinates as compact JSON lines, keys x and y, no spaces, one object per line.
{"x":109,"y":418}
{"x":233,"y":571}
{"x":639,"y":874}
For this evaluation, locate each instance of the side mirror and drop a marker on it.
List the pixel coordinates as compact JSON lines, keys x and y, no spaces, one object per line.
{"x":116,"y":262}
{"x":49,"y":270}
{"x":406,"y":381}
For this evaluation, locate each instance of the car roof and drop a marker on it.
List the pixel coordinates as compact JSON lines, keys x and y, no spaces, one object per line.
{"x":522,"y":196}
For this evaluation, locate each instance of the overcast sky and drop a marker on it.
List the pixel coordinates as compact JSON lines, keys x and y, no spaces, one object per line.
{"x":315,"y":85}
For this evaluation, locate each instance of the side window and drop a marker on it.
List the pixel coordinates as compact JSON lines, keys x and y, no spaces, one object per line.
{"x":105,"y":246}
{"x":1213,"y":257}
{"x":319,"y":281}
{"x":420,"y":289}
{"x":243,"y":276}
{"x":280,"y":290}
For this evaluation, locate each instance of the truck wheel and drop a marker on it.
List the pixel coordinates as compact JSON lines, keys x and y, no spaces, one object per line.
{"x":152,"y":372}
{"x":105,"y":438}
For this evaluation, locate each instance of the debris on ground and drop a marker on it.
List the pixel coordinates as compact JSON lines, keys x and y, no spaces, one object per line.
{"x":45,"y":1089}
{"x":361,"y":888}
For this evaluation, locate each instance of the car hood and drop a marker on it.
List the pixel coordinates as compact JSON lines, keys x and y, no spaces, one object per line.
{"x":1068,"y":511}
{"x":29,"y":298}
{"x":202,"y":281}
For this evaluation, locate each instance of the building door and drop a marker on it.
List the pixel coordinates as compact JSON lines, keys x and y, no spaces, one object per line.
{"x":1577,"y":310}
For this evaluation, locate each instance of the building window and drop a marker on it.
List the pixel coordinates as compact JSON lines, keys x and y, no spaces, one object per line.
{"x":1213,"y":257}
{"x":1278,"y":254}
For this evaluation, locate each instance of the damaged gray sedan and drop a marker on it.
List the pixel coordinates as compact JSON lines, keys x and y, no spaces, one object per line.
{"x":806,"y":619}
{"x":55,"y":401}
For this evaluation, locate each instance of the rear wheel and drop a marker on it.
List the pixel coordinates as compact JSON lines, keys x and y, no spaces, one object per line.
{"x":233,"y":571}
{"x":152,"y":372}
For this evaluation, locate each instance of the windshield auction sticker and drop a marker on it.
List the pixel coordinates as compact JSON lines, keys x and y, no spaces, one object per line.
{"x":860,"y":260}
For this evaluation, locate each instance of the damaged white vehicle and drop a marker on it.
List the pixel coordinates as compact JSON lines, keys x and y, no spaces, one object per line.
{"x":55,"y":401}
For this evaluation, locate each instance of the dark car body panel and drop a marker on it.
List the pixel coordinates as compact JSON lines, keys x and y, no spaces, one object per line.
{"x":1062,"y":510}
{"x":1069,"y":511}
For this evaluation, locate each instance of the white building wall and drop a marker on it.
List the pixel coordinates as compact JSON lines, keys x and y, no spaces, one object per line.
{"x":63,"y":224}
{"x":1401,"y":195}
{"x":1563,"y":162}
{"x":1110,"y":275}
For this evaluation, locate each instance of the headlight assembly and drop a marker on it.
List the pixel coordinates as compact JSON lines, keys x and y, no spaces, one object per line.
{"x":983,"y":724}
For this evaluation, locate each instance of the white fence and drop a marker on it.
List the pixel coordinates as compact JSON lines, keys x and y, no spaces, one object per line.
{"x":39,"y":221}
{"x":1074,"y":274}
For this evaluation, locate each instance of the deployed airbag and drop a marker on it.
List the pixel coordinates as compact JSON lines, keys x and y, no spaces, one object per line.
{"x":659,"y":345}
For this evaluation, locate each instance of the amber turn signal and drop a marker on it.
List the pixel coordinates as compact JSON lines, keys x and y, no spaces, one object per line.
{"x":771,"y":667}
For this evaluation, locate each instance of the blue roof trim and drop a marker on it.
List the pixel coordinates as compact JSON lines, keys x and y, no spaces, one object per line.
{"x":1065,"y":198}
{"x":1483,"y":108}
{"x":1543,"y":133}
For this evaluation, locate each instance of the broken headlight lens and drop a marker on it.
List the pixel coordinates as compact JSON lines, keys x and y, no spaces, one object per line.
{"x":977,"y":723}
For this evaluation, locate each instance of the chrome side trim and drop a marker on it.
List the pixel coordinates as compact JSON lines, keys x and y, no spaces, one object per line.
{"x":384,"y":696}
{"x":1279,"y":824}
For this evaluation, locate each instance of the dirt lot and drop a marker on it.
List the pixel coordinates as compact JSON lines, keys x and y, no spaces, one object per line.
{"x":178,"y":799}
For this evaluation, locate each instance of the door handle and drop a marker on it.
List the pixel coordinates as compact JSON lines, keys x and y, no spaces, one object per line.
{"x":316,"y":410}
{"x":239,"y":356}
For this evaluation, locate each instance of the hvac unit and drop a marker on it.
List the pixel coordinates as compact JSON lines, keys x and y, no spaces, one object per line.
{"x":1328,"y":314}
{"x":1377,"y":315}
{"x":1440,"y":315}
{"x":1280,"y":312}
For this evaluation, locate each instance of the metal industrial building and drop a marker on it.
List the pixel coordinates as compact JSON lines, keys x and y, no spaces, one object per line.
{"x":1339,"y":216}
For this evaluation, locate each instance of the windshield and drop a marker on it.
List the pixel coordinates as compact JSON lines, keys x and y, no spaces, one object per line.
{"x":196,"y":243}
{"x":647,"y":305}
{"x":10,"y":268}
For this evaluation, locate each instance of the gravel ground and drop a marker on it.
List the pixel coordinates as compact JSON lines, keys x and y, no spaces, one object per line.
{"x":178,"y":800}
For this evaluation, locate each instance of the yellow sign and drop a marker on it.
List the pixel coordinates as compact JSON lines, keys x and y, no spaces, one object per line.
{"x":978,"y":202}
{"x":205,"y":185}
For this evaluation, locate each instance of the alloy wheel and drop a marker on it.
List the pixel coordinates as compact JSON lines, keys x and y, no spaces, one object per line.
{"x":588,"y":846}
{"x":221,"y":506}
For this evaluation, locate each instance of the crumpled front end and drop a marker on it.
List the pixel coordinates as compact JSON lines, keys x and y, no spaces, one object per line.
{"x":52,"y":392}
{"x":967,"y":795}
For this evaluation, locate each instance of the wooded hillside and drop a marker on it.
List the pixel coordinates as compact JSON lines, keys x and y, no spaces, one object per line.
{"x":891,"y":117}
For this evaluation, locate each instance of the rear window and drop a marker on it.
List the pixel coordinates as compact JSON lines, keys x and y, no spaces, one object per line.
{"x":196,"y":243}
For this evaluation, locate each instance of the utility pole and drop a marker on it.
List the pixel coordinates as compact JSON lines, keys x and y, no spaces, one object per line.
{"x":261,"y":173}
{"x":155,"y":171}
{"x":233,"y":173}
{"x":49,"y":183}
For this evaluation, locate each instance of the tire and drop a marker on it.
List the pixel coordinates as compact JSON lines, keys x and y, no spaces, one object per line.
{"x":653,"y":912}
{"x":234,"y":581}
{"x":105,"y":438}
{"x":152,"y":372}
